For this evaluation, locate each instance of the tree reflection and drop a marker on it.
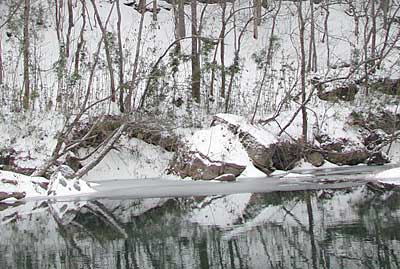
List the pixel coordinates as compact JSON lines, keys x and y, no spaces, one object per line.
{"x":345,"y":229}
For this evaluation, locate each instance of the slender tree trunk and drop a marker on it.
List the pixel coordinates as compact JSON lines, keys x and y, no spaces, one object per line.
{"x":128,"y":101}
{"x":302,"y":70}
{"x":195,"y":55}
{"x":181,"y":18}
{"x":222,"y":49}
{"x":154,"y":10}
{"x":120,"y":60}
{"x":257,"y":17}
{"x":373,"y":30}
{"x":81,"y":41}
{"x":26,"y":55}
{"x":326,"y":34}
{"x":107,"y":50}
{"x":70,"y":25}
{"x":1,"y":64}
{"x":312,"y":52}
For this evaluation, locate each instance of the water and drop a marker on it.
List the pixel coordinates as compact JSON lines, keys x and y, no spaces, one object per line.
{"x":348,"y":227}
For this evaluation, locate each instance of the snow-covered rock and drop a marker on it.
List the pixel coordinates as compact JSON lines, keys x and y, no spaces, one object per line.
{"x":15,"y":186}
{"x":391,"y":176}
{"x":62,"y":186}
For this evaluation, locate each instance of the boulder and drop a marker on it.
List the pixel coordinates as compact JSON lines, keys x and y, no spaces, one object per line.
{"x":286,"y":155}
{"x":316,"y":158}
{"x":258,"y":142}
{"x":351,"y":157}
{"x":343,"y":151}
{"x":260,"y":155}
{"x":198,"y":166}
{"x":16,"y":195}
{"x":345,"y":92}
{"x":155,"y":133}
{"x":387,"y":86}
{"x":378,"y":158}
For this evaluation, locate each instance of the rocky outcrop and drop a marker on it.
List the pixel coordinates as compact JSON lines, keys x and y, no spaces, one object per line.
{"x":198,"y":166}
{"x":259,"y":147}
{"x":387,"y":86}
{"x":286,"y":155}
{"x":260,"y":155}
{"x":342,"y":151}
{"x":345,"y":92}
{"x":155,"y":133}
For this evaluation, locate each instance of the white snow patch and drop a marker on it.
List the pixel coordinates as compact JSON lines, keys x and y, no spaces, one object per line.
{"x":60,"y":186}
{"x":391,"y":176}
{"x":21,"y":183}
{"x":133,"y":158}
{"x":221,"y":211}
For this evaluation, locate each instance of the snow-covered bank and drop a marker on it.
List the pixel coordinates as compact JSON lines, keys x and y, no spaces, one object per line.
{"x":14,"y":187}
{"x":391,"y":176}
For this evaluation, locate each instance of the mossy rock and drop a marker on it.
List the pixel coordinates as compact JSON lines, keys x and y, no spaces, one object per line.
{"x":345,"y":93}
{"x":386,"y":86}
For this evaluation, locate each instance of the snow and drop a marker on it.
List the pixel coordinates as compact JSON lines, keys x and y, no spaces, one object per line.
{"x":21,"y":183}
{"x":296,"y":175}
{"x":132,"y":158}
{"x":60,"y":186}
{"x":222,"y":211}
{"x":391,"y":176}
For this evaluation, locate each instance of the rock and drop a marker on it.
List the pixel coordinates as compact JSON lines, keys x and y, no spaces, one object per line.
{"x":155,"y":133}
{"x":72,"y":161}
{"x":315,"y":158}
{"x":226,"y":177}
{"x":9,"y":181}
{"x":260,"y":155}
{"x":286,"y":155}
{"x":378,"y":158}
{"x":343,"y":151}
{"x":384,"y":120}
{"x":198,"y":166}
{"x":387,"y":86}
{"x":16,"y":195}
{"x":219,"y":119}
{"x":65,"y":171}
{"x":351,"y":157}
{"x":375,"y":138}
{"x":346,"y":92}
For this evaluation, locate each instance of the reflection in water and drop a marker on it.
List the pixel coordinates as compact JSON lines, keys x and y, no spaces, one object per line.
{"x":355,"y":228}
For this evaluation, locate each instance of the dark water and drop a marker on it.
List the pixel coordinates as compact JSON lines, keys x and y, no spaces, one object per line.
{"x":351,"y":228}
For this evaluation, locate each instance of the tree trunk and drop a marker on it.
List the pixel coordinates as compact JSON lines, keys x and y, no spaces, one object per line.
{"x":302,"y":70}
{"x":120,"y":60}
{"x":195,"y":55}
{"x":1,"y":64}
{"x":26,"y":55}
{"x":312,"y":51}
{"x":154,"y":10}
{"x":81,"y":41}
{"x":70,"y":25}
{"x":129,"y":103}
{"x":107,"y":50}
{"x":181,"y":18}
{"x":222,"y":49}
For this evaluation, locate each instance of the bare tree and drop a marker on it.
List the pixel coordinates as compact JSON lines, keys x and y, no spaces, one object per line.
{"x":106,"y":49}
{"x":1,"y":63}
{"x":196,"y":75}
{"x":26,"y":47}
{"x":120,"y":60}
{"x":70,"y":25}
{"x":81,"y":40}
{"x":134,"y":82}
{"x":222,"y":48}
{"x":302,"y":24}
